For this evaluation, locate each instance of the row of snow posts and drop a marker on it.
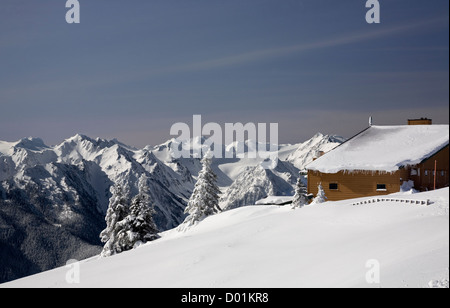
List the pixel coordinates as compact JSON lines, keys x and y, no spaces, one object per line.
{"x":406,"y":201}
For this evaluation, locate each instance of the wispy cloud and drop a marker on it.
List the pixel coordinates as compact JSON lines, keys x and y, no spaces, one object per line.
{"x":269,"y":53}
{"x":227,"y":61}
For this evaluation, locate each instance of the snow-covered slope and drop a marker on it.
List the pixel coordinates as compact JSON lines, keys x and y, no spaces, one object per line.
{"x":333,"y":244}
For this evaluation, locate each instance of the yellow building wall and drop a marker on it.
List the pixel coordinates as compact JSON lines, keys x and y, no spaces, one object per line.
{"x":356,"y":184}
{"x":423,"y":176}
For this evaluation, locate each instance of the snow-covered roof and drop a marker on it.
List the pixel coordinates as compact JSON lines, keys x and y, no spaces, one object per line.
{"x":384,"y":148}
{"x":275,"y":200}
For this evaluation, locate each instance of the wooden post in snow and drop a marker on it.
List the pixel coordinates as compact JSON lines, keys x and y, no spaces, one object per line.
{"x":435,"y":173}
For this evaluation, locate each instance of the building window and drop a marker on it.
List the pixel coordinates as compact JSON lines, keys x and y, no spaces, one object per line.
{"x":381,"y":187}
{"x":334,"y":186}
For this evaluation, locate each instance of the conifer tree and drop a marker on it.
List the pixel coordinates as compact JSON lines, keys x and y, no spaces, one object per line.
{"x":138,"y":227}
{"x":320,"y":197}
{"x":300,"y":199}
{"x":204,"y":200}
{"x":117,"y":211}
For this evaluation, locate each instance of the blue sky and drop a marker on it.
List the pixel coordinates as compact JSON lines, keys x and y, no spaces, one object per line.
{"x":133,"y":68}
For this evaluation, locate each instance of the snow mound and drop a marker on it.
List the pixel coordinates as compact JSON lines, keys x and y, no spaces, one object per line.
{"x":440,"y":284}
{"x":274,"y":200}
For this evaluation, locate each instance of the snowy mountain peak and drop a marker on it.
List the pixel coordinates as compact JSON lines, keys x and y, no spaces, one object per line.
{"x":336,"y":139}
{"x":98,"y":142}
{"x":78,"y":138}
{"x":31,"y":143}
{"x":318,"y":135}
{"x":310,"y":149}
{"x":256,"y":183}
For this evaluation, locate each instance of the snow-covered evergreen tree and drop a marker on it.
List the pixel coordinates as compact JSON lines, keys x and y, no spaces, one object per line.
{"x":300,"y":199}
{"x":117,"y":211}
{"x":138,"y":227}
{"x":320,"y":197}
{"x":204,"y":200}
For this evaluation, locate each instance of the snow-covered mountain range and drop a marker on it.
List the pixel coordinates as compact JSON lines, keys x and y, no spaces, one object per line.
{"x":53,"y":199}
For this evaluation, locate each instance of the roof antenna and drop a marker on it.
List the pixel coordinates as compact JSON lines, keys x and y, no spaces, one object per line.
{"x":370,"y":121}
